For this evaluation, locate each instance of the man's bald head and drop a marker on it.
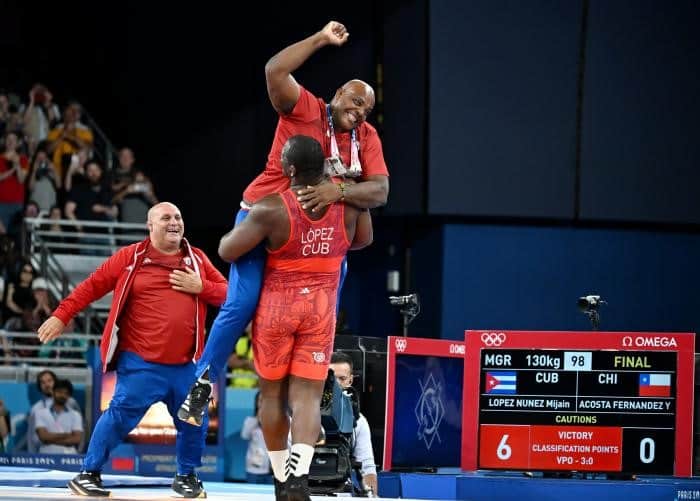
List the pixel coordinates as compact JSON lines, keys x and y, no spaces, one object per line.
{"x":165,"y":227}
{"x":157,"y":208}
{"x":351,"y":105}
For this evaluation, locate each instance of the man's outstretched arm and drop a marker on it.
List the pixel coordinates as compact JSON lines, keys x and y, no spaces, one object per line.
{"x":281,"y":86}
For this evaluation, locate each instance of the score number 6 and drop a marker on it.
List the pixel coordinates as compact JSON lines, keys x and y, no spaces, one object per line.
{"x":503,"y":451}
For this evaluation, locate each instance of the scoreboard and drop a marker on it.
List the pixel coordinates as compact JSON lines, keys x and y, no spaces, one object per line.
{"x":579,"y":401}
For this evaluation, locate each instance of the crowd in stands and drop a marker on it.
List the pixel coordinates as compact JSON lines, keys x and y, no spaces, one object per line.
{"x":48,"y":159}
{"x":49,"y":168}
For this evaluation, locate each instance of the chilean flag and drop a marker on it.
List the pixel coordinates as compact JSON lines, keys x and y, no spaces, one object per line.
{"x":500,"y":382}
{"x":654,"y":385}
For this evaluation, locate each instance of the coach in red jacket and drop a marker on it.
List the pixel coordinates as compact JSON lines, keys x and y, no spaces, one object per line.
{"x":154,"y":333}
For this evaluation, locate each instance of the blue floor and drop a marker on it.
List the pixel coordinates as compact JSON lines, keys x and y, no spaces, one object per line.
{"x":24,"y":484}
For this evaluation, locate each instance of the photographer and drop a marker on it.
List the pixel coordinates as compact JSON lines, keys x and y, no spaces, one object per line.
{"x":135,"y":198}
{"x":44,"y":181}
{"x":40,"y":116}
{"x":341,"y":365}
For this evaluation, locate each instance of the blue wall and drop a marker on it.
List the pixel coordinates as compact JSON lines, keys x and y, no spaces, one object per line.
{"x":506,"y":277}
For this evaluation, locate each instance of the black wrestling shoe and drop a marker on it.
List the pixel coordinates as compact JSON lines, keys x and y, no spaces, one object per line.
{"x":88,"y":483}
{"x":280,"y":491}
{"x":298,"y":488}
{"x":189,"y":486}
{"x":195,"y":405}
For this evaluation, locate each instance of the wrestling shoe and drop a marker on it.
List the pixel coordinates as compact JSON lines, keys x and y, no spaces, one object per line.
{"x":189,"y":486}
{"x":280,"y":491}
{"x":298,"y":488}
{"x":195,"y":405}
{"x":88,"y":483}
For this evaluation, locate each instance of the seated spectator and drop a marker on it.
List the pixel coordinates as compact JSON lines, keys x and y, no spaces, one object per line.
{"x":52,"y":224}
{"x":44,"y":302}
{"x":59,"y":428}
{"x":20,"y":296}
{"x":23,"y":346}
{"x":44,"y":181}
{"x":40,"y":116}
{"x":341,"y":365}
{"x":14,"y":167}
{"x":23,"y":236}
{"x":68,"y":138}
{"x":257,"y":462}
{"x":11,"y":261}
{"x":91,"y":202}
{"x":241,"y":363}
{"x":45,"y":381}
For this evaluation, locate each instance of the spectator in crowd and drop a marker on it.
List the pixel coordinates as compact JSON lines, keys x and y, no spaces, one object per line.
{"x":45,"y":382}
{"x":133,"y":190}
{"x":14,"y":167}
{"x":19,"y":295}
{"x":11,"y":119}
{"x":5,"y":427}
{"x":257,"y":463}
{"x":11,"y":262}
{"x":362,"y":452}
{"x":123,"y":174}
{"x":59,"y":428}
{"x":55,"y":214}
{"x":75,"y":174}
{"x":91,"y":202}
{"x":241,"y":362}
{"x":40,"y":116}
{"x":44,"y":303}
{"x":135,"y":199}
{"x":4,"y":112}
{"x":68,"y":137}
{"x":44,"y":181}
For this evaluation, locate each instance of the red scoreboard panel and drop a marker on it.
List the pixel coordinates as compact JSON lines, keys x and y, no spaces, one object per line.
{"x":579,"y":401}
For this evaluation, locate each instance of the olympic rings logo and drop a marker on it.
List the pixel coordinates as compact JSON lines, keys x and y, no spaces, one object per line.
{"x":400,"y":345}
{"x":493,"y":338}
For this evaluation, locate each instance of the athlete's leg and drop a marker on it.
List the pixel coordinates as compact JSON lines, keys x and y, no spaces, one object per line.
{"x":244,"y":282}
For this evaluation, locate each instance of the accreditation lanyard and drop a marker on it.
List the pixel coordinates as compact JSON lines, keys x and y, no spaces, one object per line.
{"x":355,"y":167}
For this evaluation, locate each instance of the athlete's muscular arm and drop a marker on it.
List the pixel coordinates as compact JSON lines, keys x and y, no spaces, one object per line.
{"x":281,"y":86}
{"x":363,"y":231}
{"x":260,"y":224}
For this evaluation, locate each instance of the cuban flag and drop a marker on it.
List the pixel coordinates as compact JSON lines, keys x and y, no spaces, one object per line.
{"x":500,"y":382}
{"x":654,"y":385}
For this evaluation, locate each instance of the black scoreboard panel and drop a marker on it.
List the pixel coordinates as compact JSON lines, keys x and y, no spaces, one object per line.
{"x":598,"y":410}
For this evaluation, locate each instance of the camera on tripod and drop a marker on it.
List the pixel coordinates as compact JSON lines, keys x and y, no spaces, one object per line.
{"x":411,"y":299}
{"x":589,"y":305}
{"x":409,"y":306}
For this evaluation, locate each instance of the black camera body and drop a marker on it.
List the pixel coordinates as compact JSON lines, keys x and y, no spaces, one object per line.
{"x":332,"y":464}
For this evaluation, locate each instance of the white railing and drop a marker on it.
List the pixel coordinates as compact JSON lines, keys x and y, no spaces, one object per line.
{"x":66,"y":255}
{"x":23,"y":348}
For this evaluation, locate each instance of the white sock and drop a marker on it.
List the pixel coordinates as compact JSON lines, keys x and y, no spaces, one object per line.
{"x":300,"y":459}
{"x":278,"y":460}
{"x":203,"y":381}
